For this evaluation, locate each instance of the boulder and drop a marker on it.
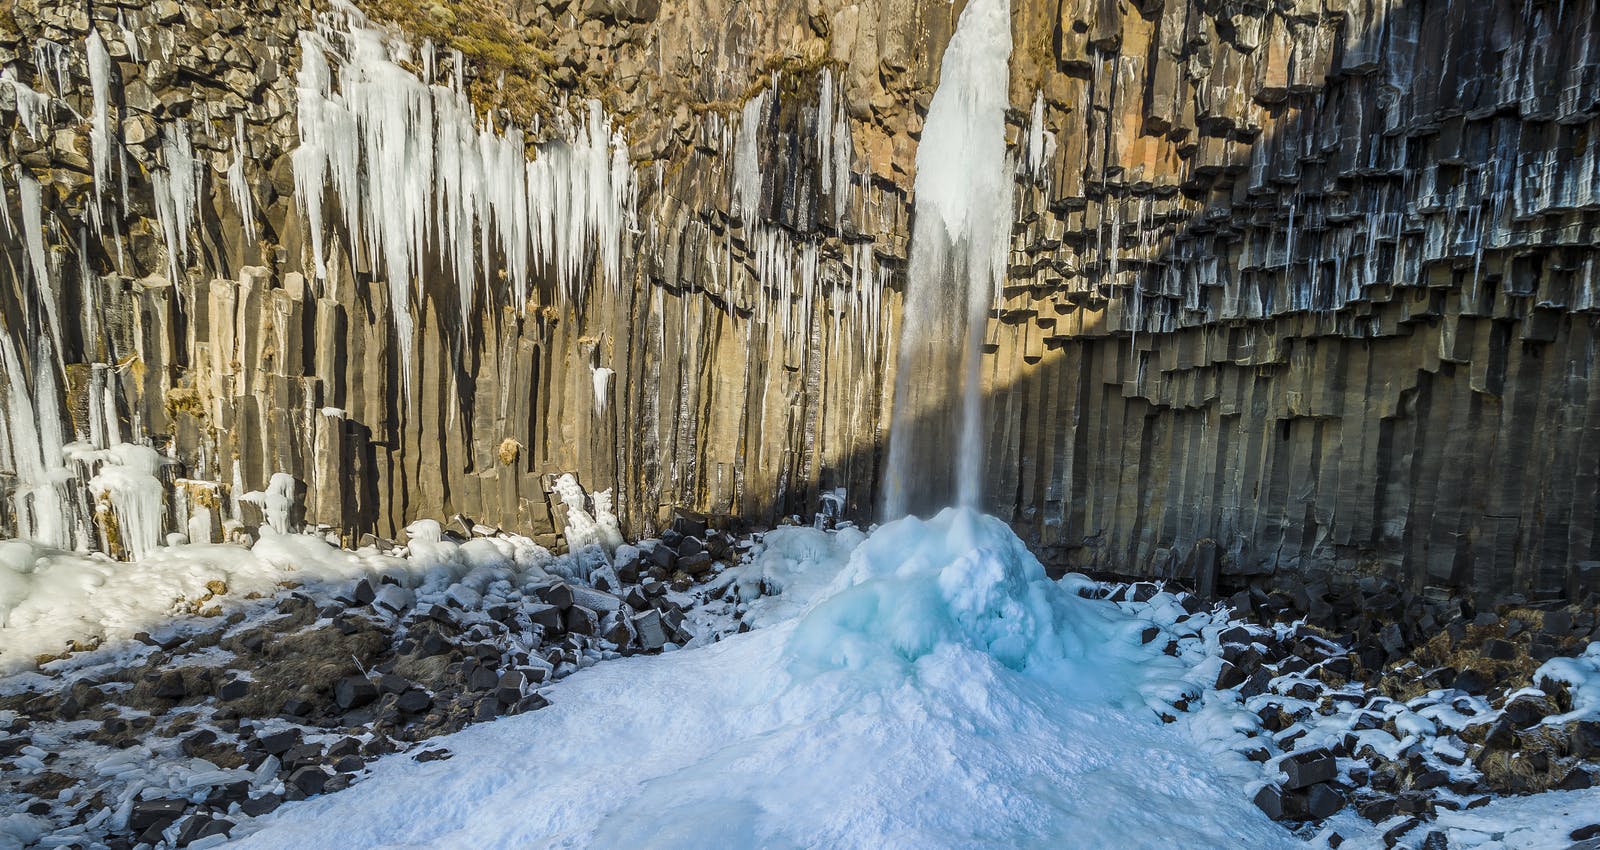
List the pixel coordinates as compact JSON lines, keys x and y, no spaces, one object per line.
{"x":1308,"y":768}
{"x":309,"y":780}
{"x":651,"y":634}
{"x":155,"y":813}
{"x":354,"y":692}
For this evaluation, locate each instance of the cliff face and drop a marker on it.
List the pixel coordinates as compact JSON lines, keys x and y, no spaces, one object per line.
{"x":1300,"y":288}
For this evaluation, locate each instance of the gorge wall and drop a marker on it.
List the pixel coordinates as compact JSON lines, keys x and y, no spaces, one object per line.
{"x":1294,"y":288}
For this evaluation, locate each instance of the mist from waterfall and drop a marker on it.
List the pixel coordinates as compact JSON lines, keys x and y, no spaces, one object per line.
{"x":962,"y":218}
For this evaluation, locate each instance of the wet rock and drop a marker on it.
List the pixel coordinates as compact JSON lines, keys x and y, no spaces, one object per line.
{"x":559,"y":595}
{"x":1526,"y":710}
{"x":480,"y":678}
{"x":394,"y":599}
{"x":233,"y":689}
{"x":1323,"y":801}
{"x":509,"y":689}
{"x":301,"y":755}
{"x":413,"y":701}
{"x":1499,"y":650}
{"x":1393,"y":834}
{"x":1576,"y":779}
{"x":695,"y":565}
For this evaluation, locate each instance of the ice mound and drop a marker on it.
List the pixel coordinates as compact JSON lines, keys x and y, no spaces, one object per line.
{"x":926,"y":686}
{"x":964,"y":582}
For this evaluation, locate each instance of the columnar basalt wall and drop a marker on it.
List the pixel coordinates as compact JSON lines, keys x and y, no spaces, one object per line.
{"x":1310,"y":288}
{"x":1295,"y":289}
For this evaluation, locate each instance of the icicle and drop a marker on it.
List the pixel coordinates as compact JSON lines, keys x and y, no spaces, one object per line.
{"x":177,"y":194}
{"x":582,"y":528}
{"x":127,"y":482}
{"x":276,"y":502}
{"x":238,"y":186}
{"x":602,"y":382}
{"x":99,"y":128}
{"x":1036,"y":151}
{"x":86,"y":295}
{"x":747,"y":160}
{"x":51,"y":56}
{"x":33,"y":423}
{"x":33,"y":237}
{"x":129,"y":38}
{"x":31,"y":105}
{"x":5,"y":207}
{"x":413,"y":168}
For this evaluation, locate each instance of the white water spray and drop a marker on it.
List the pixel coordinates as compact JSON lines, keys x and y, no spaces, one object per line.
{"x":959,"y":240}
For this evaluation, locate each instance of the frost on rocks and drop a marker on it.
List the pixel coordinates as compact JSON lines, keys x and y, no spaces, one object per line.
{"x":414,"y":168}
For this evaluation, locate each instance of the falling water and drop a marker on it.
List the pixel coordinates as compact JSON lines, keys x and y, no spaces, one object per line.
{"x":958,"y":247}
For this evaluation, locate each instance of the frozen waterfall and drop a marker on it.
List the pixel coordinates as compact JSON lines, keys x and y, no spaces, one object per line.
{"x":959,"y":236}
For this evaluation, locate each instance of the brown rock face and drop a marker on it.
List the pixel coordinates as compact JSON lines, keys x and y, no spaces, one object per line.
{"x":1292,"y":287}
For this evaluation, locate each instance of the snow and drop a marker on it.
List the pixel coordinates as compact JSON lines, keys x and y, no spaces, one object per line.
{"x":1581,"y":675}
{"x":51,"y":598}
{"x":959,"y":238}
{"x":1536,"y":822}
{"x":933,"y":689}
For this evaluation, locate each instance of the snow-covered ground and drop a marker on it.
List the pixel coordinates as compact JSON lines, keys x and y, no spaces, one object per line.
{"x":937,"y":691}
{"x":925,"y":685}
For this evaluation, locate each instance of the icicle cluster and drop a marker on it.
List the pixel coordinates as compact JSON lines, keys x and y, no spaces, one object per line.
{"x":177,"y":191}
{"x":128,"y":484}
{"x":583,"y":528}
{"x":788,"y":270}
{"x":414,"y":169}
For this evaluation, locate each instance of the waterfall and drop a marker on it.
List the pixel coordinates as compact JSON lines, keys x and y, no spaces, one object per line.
{"x":960,"y":229}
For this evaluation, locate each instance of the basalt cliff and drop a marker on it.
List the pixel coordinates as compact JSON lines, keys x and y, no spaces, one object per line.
{"x":1294,"y":290}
